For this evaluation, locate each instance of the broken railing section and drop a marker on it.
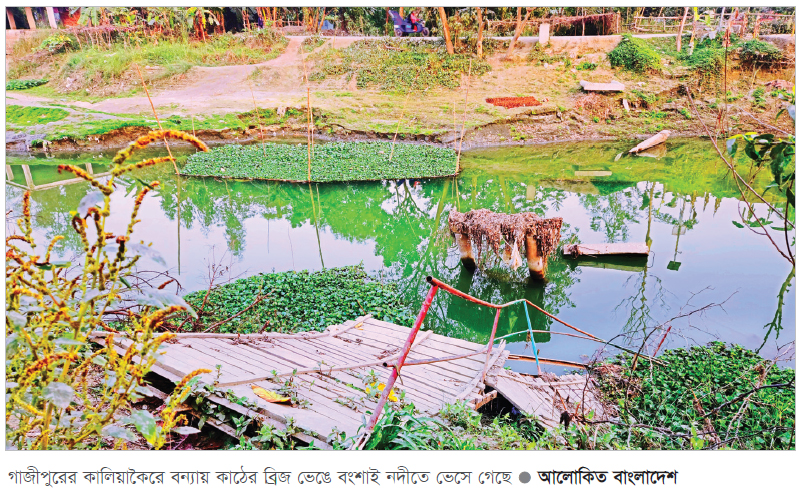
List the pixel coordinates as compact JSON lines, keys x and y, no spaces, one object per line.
{"x":523,"y":232}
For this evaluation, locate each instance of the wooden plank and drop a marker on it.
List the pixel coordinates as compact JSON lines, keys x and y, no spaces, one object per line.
{"x":593,"y":173}
{"x":614,"y":86}
{"x":195,"y":356}
{"x":448,"y":341}
{"x":219,"y":355}
{"x":383,"y":374}
{"x":607,"y":249}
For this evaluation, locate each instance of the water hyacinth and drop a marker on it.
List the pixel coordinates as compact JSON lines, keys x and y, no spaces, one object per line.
{"x":340,"y":161}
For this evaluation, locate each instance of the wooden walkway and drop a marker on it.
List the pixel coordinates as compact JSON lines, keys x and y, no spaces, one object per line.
{"x":334,"y":401}
{"x":548,"y":396}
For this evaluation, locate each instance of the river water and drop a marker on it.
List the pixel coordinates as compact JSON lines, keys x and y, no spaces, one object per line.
{"x":679,"y":199}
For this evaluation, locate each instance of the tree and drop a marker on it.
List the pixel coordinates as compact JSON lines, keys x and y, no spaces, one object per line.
{"x":679,"y":32}
{"x":519,"y":24}
{"x":479,"y":32}
{"x":445,"y":28}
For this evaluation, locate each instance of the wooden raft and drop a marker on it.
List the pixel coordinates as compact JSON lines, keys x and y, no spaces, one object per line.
{"x":596,"y":249}
{"x":336,"y":400}
{"x":545,"y":396}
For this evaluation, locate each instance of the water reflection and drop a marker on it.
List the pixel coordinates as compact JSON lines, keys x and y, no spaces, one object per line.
{"x":682,"y":204}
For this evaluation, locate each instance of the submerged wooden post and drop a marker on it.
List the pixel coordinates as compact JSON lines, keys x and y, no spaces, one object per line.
{"x":465,"y":247}
{"x":26,"y":170}
{"x":535,"y":263}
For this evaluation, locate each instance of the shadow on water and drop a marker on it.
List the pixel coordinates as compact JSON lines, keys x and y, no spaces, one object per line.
{"x":681,"y":202}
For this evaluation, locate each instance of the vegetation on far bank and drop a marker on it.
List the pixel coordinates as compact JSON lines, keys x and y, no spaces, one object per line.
{"x":340,"y":161}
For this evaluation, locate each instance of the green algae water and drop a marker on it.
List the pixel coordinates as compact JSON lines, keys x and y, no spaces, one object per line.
{"x":678,"y":198}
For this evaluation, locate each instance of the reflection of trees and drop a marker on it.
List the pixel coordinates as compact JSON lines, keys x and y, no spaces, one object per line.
{"x":614,"y":212}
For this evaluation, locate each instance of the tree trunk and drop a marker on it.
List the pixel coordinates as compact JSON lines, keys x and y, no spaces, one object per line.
{"x":29,"y":15}
{"x":519,"y":24}
{"x":679,"y":32}
{"x":721,"y":20}
{"x":402,"y":12}
{"x":445,"y":27}
{"x":479,"y":33}
{"x":693,"y":31}
{"x":387,"y":21}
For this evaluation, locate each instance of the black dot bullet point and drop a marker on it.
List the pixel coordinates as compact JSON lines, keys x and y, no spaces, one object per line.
{"x":524,"y":477}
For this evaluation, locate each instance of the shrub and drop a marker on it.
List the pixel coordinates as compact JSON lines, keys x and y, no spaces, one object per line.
{"x":56,"y":43}
{"x":21,"y":85}
{"x":635,"y":55}
{"x":586,"y":66}
{"x":51,"y":317}
{"x":756,"y":51}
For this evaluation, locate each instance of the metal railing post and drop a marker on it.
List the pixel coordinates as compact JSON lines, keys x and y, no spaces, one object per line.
{"x":395,"y":373}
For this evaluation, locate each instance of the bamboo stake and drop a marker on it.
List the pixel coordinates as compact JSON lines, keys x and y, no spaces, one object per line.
{"x":258,"y":114}
{"x":463,"y":125}
{"x":310,"y":118}
{"x":172,"y":158}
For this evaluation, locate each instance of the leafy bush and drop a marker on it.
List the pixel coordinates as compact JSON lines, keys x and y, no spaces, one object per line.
{"x":399,"y":429}
{"x":756,"y":51}
{"x":56,"y":43}
{"x":62,"y":392}
{"x":635,"y":55}
{"x":586,"y":66}
{"x":709,"y":384}
{"x":708,"y":63}
{"x":301,"y":301}
{"x":21,"y":85}
{"x":341,"y":161}
{"x":397,"y":65}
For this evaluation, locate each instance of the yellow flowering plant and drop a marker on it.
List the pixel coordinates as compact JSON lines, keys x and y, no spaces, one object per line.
{"x":63,"y":389}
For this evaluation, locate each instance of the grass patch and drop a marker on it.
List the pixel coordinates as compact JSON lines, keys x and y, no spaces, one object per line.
{"x":635,"y":55}
{"x":396,"y":65}
{"x":342,"y":161}
{"x":21,"y":85}
{"x":301,"y":301}
{"x":95,"y":64}
{"x":33,"y":115}
{"x":586,"y":66}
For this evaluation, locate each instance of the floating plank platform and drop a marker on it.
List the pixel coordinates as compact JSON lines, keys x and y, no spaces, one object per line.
{"x":614,"y":86}
{"x":607,"y":249}
{"x":335,"y":401}
{"x":548,"y":396}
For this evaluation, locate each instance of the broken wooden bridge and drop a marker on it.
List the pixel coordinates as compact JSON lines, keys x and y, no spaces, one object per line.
{"x":333,"y":376}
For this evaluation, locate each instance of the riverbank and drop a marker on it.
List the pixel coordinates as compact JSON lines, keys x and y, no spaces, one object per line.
{"x":218,"y":103}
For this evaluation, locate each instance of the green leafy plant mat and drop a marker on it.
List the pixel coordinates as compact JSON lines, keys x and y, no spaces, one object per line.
{"x":300,"y":301}
{"x":342,"y":161}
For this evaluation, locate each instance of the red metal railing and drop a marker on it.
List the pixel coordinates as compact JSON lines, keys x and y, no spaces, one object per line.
{"x":435,"y":284}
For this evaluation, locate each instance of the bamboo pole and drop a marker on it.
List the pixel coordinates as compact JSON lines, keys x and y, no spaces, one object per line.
{"x":463,"y":125}
{"x":479,"y":32}
{"x":258,"y":114}
{"x":310,"y":117}
{"x":171,"y":157}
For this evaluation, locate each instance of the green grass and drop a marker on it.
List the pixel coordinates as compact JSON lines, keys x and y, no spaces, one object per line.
{"x":93,"y":64}
{"x":396,"y":65}
{"x":301,"y":301}
{"x":345,"y":161}
{"x":33,"y":115}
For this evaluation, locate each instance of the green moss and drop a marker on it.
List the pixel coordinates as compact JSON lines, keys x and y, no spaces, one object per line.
{"x":635,"y":55}
{"x":33,"y":115}
{"x":345,"y":161}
